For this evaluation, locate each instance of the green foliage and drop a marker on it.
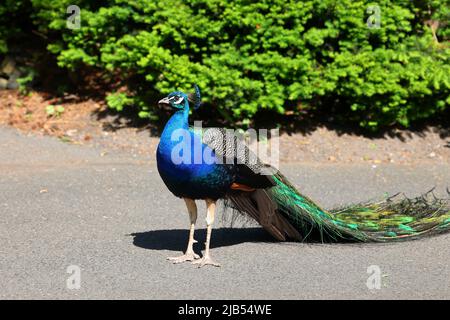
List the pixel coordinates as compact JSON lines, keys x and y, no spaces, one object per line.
{"x":247,"y":56}
{"x":25,"y":80}
{"x":118,"y":101}
{"x":54,"y":110}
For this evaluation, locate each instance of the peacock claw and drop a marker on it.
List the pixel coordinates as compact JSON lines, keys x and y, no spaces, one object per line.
{"x":206,"y":260}
{"x":188,"y":256}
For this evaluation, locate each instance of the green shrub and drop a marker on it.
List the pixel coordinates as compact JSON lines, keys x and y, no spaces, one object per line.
{"x":276,"y":55}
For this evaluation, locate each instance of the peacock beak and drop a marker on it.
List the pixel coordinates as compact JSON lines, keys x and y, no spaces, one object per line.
{"x":164,"y":101}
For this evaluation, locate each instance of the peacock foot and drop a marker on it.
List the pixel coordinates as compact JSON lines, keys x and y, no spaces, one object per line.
{"x":188,"y":256}
{"x":206,"y":260}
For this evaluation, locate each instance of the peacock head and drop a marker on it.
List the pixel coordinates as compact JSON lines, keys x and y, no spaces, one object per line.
{"x":181,"y":100}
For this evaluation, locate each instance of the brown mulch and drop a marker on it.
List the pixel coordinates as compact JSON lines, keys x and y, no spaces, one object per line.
{"x":28,"y":112}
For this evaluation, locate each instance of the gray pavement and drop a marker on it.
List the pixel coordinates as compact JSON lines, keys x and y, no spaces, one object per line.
{"x":111,"y":215}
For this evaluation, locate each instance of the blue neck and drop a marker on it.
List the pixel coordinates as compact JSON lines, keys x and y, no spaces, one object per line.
{"x":180,"y":120}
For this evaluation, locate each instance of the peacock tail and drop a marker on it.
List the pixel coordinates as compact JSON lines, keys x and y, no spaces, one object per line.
{"x":395,"y":218}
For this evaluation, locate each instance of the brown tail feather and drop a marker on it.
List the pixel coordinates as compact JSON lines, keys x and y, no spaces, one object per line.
{"x":269,"y":217}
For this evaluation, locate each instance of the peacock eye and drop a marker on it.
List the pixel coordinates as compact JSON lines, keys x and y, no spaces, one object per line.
{"x":178,"y":99}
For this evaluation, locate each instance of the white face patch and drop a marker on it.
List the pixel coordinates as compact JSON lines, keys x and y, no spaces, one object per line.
{"x":176,"y":99}
{"x":179,"y":100}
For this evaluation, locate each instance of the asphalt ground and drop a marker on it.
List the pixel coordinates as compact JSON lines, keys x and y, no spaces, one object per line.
{"x":109,"y":215}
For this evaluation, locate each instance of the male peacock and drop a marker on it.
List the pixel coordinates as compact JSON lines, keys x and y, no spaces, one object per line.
{"x":197,"y":166}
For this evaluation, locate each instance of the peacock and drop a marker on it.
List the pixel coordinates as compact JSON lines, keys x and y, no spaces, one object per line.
{"x":201,"y":165}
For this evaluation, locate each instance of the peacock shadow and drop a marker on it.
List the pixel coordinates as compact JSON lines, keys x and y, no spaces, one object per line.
{"x":176,"y":239}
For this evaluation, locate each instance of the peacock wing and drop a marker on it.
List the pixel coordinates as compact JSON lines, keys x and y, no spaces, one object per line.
{"x":231,"y":149}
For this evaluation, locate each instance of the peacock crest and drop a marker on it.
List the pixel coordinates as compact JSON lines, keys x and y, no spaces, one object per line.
{"x":195,"y":98}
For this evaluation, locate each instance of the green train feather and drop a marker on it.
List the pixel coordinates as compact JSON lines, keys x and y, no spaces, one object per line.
{"x":394,"y":218}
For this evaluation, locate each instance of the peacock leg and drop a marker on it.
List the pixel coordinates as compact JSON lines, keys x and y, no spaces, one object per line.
{"x":206,"y":259}
{"x":189,"y":255}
